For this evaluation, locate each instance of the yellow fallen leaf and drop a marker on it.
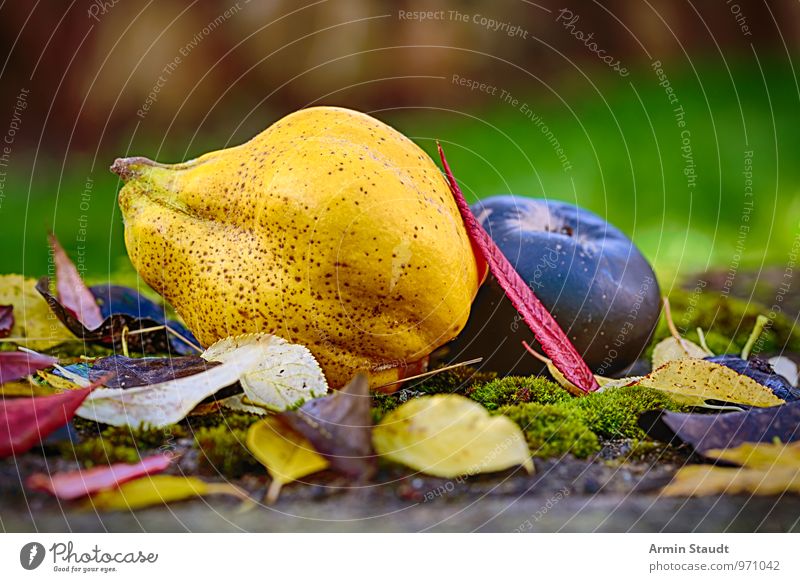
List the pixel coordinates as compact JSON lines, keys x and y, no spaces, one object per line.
{"x":25,"y":389}
{"x":157,"y":490}
{"x":606,"y":383}
{"x":768,"y":469}
{"x":760,"y":455}
{"x":692,"y":382}
{"x":35,"y":326}
{"x":669,"y":349}
{"x":58,"y":382}
{"x":449,"y":436}
{"x":286,"y":454}
{"x":701,"y":480}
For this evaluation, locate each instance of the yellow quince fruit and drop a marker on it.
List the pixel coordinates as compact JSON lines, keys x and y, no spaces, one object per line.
{"x":330,"y":229}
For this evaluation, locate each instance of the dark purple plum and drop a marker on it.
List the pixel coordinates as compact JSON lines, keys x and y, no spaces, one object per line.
{"x":761,"y":371}
{"x":586,"y":272}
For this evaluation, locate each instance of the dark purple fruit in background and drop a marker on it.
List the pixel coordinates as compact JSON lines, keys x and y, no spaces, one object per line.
{"x":587,"y":273}
{"x":761,"y":371}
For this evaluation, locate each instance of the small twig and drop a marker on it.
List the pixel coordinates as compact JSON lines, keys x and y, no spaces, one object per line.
{"x":431,"y":373}
{"x":560,"y":379}
{"x":273,"y":492}
{"x":168,"y":329}
{"x":535,"y":354}
{"x":702,"y":338}
{"x":146,"y":330}
{"x":758,"y":329}
{"x":184,"y":340}
{"x":125,"y":342}
{"x":671,"y":325}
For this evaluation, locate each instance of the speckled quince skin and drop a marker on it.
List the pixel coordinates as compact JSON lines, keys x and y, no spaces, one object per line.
{"x":330,"y":229}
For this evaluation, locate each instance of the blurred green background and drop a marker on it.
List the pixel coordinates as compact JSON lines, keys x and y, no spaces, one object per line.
{"x":175,"y":80}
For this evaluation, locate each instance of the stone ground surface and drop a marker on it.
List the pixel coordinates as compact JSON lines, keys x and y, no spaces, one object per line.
{"x":578,"y":513}
{"x":616,"y":491}
{"x":612,"y":492}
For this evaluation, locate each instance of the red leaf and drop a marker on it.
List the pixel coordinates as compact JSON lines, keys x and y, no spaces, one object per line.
{"x":16,"y":365}
{"x":6,"y":319}
{"x":552,"y":339}
{"x":75,"y":484}
{"x":71,"y":290}
{"x":24,"y":422}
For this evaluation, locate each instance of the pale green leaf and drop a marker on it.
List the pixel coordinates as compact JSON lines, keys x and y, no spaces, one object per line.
{"x":287,"y":375}
{"x":168,"y":402}
{"x":670,"y":349}
{"x":447,"y":435}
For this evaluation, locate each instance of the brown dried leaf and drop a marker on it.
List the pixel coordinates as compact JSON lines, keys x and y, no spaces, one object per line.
{"x":340,"y":428}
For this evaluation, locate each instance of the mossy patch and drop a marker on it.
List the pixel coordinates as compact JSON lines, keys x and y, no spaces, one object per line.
{"x":219,"y":438}
{"x":518,"y":390}
{"x":223,"y":417}
{"x":456,"y":381}
{"x":554,"y":422}
{"x":614,"y":413}
{"x":553,"y":430}
{"x":578,"y":425}
{"x":222,"y":450}
{"x":102,"y":445}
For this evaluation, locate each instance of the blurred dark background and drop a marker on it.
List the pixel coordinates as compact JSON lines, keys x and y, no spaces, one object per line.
{"x":714,"y":183}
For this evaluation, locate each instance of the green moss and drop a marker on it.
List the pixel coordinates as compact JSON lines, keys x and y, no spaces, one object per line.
{"x":219,"y":438}
{"x":222,"y":449}
{"x":226,"y":418}
{"x":576,"y":425}
{"x":614,"y":413}
{"x":555,"y":422}
{"x":101,"y":444}
{"x":144,"y":436}
{"x":518,"y":390}
{"x":97,"y":451}
{"x":553,"y":430}
{"x":382,"y":404}
{"x":455,"y":381}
